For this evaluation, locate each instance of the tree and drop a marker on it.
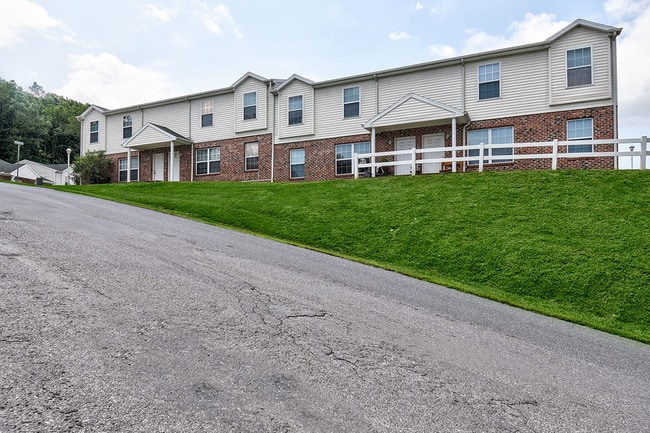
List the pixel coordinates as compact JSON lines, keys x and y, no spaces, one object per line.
{"x":93,"y":167}
{"x":36,"y":90}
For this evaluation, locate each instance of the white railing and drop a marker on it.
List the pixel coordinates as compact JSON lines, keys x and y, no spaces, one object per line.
{"x":623,"y":147}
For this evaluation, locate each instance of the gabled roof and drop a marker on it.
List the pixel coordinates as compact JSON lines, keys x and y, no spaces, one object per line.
{"x":90,"y":109}
{"x":586,"y":24}
{"x":248,"y":75}
{"x":293,"y":78}
{"x":7,"y":167}
{"x":154,"y":135}
{"x":431,"y":111}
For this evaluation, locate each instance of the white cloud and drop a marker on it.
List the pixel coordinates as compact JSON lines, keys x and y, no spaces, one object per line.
{"x":534,"y":28}
{"x":19,"y":17}
{"x":633,"y":53}
{"x":105,"y":80}
{"x":442,"y":51}
{"x":214,"y":18}
{"x":401,"y":36}
{"x":419,"y":6}
{"x":161,"y":14}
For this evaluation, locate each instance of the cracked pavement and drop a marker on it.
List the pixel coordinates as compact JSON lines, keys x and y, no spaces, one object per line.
{"x":116,"y":318}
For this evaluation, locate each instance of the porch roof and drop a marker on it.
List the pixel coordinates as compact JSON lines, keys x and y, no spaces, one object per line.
{"x":152,"y":136}
{"x":412,"y":111}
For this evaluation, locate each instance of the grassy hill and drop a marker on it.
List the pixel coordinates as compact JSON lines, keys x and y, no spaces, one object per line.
{"x":570,"y":244}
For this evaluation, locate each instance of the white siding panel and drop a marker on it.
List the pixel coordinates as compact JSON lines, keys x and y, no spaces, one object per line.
{"x":148,"y":136}
{"x":296,"y":88}
{"x":329,"y":110}
{"x":251,"y":85}
{"x":600,"y":53}
{"x":412,"y":111}
{"x":85,"y":134}
{"x":173,"y":116}
{"x":443,"y":85}
{"x":222,"y":119}
{"x":524,"y":87}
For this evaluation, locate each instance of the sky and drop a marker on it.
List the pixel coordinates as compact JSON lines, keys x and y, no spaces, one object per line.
{"x":119,"y":53}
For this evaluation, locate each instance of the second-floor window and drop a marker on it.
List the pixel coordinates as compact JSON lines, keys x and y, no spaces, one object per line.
{"x":250,"y":106}
{"x":94,"y":131}
{"x":207,"y":109}
{"x":578,"y":67}
{"x":580,"y":129}
{"x":295,"y":110}
{"x":489,"y":81}
{"x":252,"y":156}
{"x":127,"y":126}
{"x":351,"y":102}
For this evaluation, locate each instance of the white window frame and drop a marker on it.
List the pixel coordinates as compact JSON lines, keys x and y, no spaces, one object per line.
{"x":135,"y":169}
{"x":302,"y":111}
{"x":488,"y":81}
{"x":251,"y":156}
{"x":249,"y":105}
{"x":207,"y":112}
{"x":212,"y":155}
{"x":94,"y":131}
{"x":354,"y":149}
{"x":357,"y":102}
{"x":591,"y":67}
{"x":580,"y":148}
{"x":489,"y":156}
{"x":299,"y":162}
{"x":127,"y":126}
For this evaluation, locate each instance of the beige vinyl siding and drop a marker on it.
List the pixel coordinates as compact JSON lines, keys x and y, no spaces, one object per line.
{"x":175,"y":116}
{"x":222,"y":119}
{"x":101,"y":143}
{"x":114,"y":130}
{"x":524,"y":87}
{"x":296,"y":88}
{"x":443,"y":85}
{"x":600,"y":67}
{"x":412,"y":111}
{"x":329,"y":110}
{"x":251,"y":85}
{"x":147,"y":136}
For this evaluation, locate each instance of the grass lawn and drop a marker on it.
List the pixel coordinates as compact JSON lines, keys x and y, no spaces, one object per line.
{"x":570,"y":244}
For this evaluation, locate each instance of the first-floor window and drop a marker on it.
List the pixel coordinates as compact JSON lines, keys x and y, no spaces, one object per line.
{"x":503,"y":135}
{"x":580,"y":129}
{"x":208,"y":161}
{"x":297,"y":162}
{"x":123,"y":163}
{"x":344,"y":154}
{"x":252,"y":156}
{"x":94,"y":131}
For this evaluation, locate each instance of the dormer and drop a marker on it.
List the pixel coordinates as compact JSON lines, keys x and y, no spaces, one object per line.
{"x":251,"y":103}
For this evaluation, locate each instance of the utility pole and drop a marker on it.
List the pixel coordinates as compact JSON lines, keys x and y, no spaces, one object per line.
{"x":18,"y":143}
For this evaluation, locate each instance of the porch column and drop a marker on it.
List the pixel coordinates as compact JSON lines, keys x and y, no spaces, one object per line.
{"x":372,"y":150}
{"x":170,"y":167}
{"x":453,"y":144}
{"x":128,"y":164}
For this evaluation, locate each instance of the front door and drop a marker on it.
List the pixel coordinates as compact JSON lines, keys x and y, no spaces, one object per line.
{"x":430,"y":142}
{"x":159,"y":167}
{"x":404,"y":144}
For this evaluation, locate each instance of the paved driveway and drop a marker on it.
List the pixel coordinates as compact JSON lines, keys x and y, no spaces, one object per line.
{"x":117,"y":319}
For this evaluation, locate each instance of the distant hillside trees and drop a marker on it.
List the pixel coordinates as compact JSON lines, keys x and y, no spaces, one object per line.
{"x":45,"y":122}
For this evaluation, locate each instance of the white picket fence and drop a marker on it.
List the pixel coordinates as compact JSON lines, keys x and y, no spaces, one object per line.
{"x":624,"y":147}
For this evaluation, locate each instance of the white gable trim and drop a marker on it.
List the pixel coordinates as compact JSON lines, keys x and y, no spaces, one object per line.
{"x":453,"y":112}
{"x":248,"y":75}
{"x":163,"y":136}
{"x":292,"y":78}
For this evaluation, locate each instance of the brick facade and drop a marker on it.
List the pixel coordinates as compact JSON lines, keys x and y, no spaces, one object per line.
{"x":320,"y":157}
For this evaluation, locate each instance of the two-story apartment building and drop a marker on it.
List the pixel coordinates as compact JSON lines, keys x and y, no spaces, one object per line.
{"x":563,"y":88}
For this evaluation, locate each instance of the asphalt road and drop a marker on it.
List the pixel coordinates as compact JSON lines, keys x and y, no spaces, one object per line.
{"x":119,"y":319}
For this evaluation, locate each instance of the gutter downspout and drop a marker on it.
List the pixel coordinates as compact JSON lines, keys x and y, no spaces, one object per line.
{"x":376,"y":94}
{"x":612,"y":43}
{"x":272,"y":132}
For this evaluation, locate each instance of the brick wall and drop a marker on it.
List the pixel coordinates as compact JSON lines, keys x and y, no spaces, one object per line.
{"x":320,"y":158}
